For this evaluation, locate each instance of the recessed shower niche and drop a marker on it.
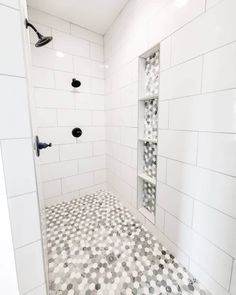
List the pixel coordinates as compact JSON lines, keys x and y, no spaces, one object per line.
{"x":147,"y":132}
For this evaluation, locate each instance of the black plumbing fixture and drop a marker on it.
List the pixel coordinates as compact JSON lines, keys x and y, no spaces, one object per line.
{"x":43,"y":40}
{"x":40,"y":145}
{"x":75,"y":83}
{"x":77,"y":132}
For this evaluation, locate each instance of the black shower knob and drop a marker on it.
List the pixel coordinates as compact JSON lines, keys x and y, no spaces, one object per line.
{"x":77,"y":132}
{"x":75,"y":83}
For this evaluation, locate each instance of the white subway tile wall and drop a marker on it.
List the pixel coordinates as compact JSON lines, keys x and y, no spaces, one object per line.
{"x":17,"y":161}
{"x":72,"y":165}
{"x":196,"y":188}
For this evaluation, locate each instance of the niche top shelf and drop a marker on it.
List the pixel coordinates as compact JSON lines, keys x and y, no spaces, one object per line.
{"x":148,"y":139}
{"x":147,"y":178}
{"x":148,"y":98}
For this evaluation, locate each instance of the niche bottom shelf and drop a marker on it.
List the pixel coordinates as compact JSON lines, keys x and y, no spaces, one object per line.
{"x":150,"y":216}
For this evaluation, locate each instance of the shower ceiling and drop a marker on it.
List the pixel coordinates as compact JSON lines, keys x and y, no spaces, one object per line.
{"x":95,"y":15}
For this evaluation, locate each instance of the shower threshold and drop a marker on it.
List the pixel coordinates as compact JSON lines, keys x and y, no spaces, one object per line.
{"x":96,"y":246}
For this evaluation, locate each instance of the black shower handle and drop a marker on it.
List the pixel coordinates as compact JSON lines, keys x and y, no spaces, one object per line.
{"x":43,"y":145}
{"x":40,"y":145}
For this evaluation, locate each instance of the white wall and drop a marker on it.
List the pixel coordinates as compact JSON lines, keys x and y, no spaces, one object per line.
{"x":17,"y":162}
{"x":196,"y":202}
{"x":72,"y":167}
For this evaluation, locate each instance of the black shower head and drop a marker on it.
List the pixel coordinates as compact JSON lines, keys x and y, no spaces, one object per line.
{"x":75,"y":83}
{"x":43,"y":40}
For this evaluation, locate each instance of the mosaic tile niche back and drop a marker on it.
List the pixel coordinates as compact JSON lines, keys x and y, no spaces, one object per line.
{"x":150,"y":130}
{"x":96,"y":246}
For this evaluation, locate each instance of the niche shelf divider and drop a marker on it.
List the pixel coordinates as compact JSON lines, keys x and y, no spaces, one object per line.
{"x":149,"y":64}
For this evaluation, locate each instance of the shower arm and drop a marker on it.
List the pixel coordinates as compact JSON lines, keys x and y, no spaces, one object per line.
{"x":27,"y":24}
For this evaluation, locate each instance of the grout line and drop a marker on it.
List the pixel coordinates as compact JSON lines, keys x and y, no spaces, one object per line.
{"x":70,"y":25}
{"x":196,"y":131}
{"x":28,"y":244}
{"x":201,"y":235}
{"x":231,"y":275}
{"x":199,"y":55}
{"x":197,"y":200}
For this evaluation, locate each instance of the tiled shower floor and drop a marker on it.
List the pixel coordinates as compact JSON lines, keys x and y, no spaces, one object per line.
{"x":96,"y":246}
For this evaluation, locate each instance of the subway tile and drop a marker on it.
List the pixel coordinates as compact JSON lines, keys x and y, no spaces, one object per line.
{"x":182,"y":177}
{"x":29,"y":263}
{"x":42,"y":77}
{"x":216,"y":190}
{"x":77,"y":182}
{"x":176,"y":203}
{"x":217,"y":152}
{"x":114,"y":134}
{"x":127,"y":116}
{"x":80,"y":32}
{"x":216,"y":109}
{"x":25,"y":223}
{"x":46,"y":118}
{"x":219,"y":71}
{"x":212,"y":29}
{"x":14,"y":116}
{"x":97,"y":86}
{"x":129,"y":95}
{"x":99,"y":148}
{"x":211,"y":3}
{"x":70,"y":44}
{"x":129,"y":136}
{"x":92,"y":164}
{"x":38,"y":291}
{"x":233,"y":281}
{"x":206,"y":280}
{"x":200,"y":250}
{"x":165,"y":54}
{"x":96,"y":52}
{"x":49,"y":155}
{"x":170,"y":18}
{"x":128,"y":174}
{"x":178,"y":145}
{"x":100,"y":176}
{"x":82,"y":65}
{"x":74,"y":117}
{"x":58,"y":170}
{"x":161,"y":169}
{"x":48,"y":58}
{"x":17,"y":154}
{"x":11,"y":3}
{"x":51,"y":98}
{"x":48,"y":20}
{"x":216,"y":227}
{"x":163,"y":120}
{"x":98,"y":118}
{"x":75,"y":151}
{"x":56,"y":135}
{"x":160,"y":218}
{"x":93,"y":134}
{"x":51,"y":188}
{"x":86,"y":101}
{"x":181,"y":80}
{"x":12,"y":56}
{"x":97,"y":70}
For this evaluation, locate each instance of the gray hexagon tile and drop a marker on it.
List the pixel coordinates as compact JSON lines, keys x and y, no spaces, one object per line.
{"x":96,"y":246}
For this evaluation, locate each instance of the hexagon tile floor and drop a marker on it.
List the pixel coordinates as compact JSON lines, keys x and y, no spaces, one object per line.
{"x":96,"y":246}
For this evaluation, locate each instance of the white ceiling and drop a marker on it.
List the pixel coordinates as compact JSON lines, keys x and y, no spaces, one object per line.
{"x":95,"y":15}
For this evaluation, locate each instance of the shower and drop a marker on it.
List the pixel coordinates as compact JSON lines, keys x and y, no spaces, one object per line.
{"x":43,"y":40}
